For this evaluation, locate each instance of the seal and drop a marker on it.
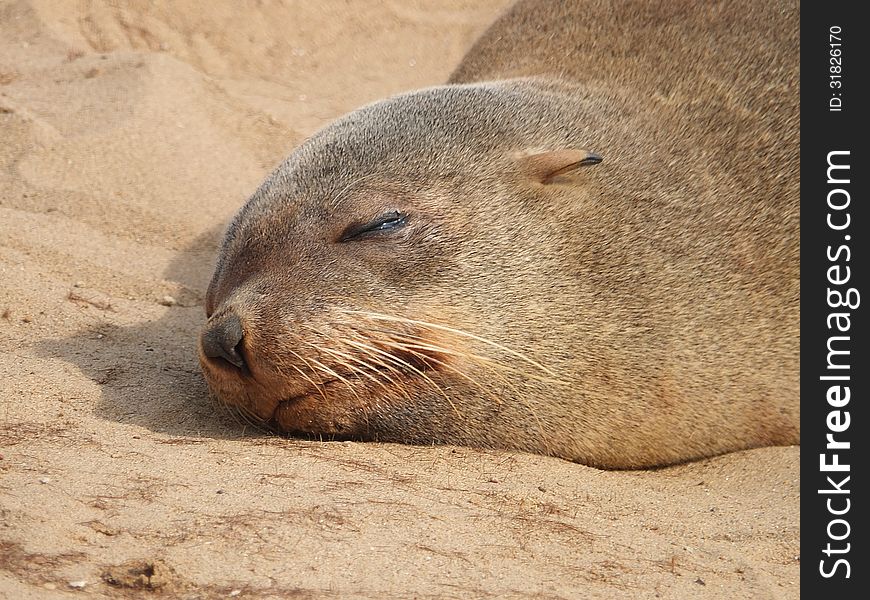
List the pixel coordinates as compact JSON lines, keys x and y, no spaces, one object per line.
{"x":584,"y":245}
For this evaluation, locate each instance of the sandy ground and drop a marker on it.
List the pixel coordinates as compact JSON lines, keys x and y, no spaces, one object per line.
{"x":128,"y":137}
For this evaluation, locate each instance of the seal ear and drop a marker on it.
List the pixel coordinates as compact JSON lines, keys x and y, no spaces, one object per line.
{"x":544,"y":166}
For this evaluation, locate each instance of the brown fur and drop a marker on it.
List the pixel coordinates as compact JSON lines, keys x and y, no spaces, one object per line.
{"x":638,"y":312}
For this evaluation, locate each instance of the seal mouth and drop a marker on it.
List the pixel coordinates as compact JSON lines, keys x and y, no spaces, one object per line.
{"x":337,"y":379}
{"x":341,"y":408}
{"x":314,"y":396}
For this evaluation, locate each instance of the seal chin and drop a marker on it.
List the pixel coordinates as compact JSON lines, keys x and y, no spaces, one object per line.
{"x":309,"y":415}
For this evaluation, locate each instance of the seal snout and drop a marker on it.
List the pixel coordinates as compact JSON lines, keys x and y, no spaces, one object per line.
{"x":221,"y":339}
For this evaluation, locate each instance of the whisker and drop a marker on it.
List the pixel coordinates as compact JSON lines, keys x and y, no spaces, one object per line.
{"x":424,"y":344}
{"x":302,"y":359}
{"x":399,"y":361}
{"x":373,"y":368}
{"x":345,"y":357}
{"x":362,"y":405}
{"x":517,"y":394}
{"x":447,"y":366}
{"x":318,"y":387}
{"x":243,"y":418}
{"x":383,"y":317}
{"x":363,"y":372}
{"x":331,"y":372}
{"x":350,"y":367}
{"x":422,"y":348}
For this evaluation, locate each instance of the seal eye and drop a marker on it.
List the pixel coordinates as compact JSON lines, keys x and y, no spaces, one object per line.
{"x":386,"y":222}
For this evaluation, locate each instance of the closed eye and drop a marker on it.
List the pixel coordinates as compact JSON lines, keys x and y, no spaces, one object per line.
{"x":383,"y":224}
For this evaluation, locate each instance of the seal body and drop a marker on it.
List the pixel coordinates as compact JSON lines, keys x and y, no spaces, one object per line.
{"x":452,"y":265}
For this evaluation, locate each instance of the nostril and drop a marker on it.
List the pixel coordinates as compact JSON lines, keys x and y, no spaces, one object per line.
{"x":221,"y":339}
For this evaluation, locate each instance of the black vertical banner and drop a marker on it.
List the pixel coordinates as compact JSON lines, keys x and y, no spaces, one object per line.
{"x":835,"y":368}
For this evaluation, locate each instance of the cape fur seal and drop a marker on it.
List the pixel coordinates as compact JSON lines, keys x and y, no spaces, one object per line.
{"x":452,"y":265}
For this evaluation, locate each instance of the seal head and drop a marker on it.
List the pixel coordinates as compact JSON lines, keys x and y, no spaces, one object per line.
{"x":453,"y":265}
{"x":365,"y":288}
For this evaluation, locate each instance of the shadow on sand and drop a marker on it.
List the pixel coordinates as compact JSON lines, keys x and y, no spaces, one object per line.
{"x":148,"y":373}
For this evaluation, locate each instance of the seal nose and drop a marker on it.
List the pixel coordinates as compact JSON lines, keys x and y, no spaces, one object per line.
{"x":221,"y":339}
